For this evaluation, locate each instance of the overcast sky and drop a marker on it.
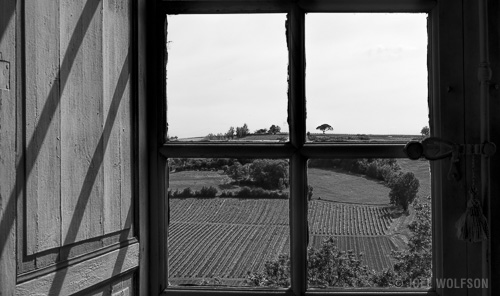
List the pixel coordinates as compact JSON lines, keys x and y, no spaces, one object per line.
{"x":365,"y":73}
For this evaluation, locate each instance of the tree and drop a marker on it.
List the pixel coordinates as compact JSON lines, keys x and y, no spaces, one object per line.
{"x":413,"y":264}
{"x":237,"y":171}
{"x":325,"y":127}
{"x":245,"y":129}
{"x":404,"y":188}
{"x":261,"y":131}
{"x":230,"y":133}
{"x":242,"y":131}
{"x":274,"y":129}
{"x":327,"y":266}
{"x":425,"y":131}
{"x":270,"y":173}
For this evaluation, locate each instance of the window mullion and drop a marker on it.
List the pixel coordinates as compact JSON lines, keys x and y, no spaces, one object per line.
{"x":296,"y":80}
{"x":298,"y":163}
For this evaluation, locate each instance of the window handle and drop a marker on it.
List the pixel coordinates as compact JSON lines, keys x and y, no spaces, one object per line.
{"x":434,"y":148}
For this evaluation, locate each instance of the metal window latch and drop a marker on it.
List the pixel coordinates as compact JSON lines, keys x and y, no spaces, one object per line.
{"x":435,"y":148}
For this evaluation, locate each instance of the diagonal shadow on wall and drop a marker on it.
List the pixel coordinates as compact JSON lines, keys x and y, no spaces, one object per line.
{"x":120,"y":260}
{"x":46,"y":115}
{"x":8,"y":7}
{"x":91,"y":176}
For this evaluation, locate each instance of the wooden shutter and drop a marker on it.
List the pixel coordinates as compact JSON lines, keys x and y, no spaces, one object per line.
{"x":69,"y":125}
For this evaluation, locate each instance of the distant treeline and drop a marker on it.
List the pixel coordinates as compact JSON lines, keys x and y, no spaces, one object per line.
{"x":203,"y":164}
{"x":330,"y":138}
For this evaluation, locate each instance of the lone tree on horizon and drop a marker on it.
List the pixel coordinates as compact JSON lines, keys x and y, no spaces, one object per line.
{"x":325,"y":127}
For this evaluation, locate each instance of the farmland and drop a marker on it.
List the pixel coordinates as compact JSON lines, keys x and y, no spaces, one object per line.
{"x":328,"y":137}
{"x":225,"y":238}
{"x":332,"y":218}
{"x":228,"y":237}
{"x":335,"y":185}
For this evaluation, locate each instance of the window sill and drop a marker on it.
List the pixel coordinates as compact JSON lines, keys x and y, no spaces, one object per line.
{"x":348,"y":292}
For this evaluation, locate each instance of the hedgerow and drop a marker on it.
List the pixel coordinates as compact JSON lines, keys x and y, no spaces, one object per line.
{"x":244,"y":192}
{"x":247,"y":192}
{"x":187,"y":192}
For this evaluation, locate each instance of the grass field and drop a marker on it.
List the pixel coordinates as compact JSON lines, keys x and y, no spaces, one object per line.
{"x":342,"y":187}
{"x":197,"y":179}
{"x":328,"y":185}
{"x":421,"y":169}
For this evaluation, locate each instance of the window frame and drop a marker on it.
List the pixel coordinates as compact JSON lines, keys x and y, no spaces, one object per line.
{"x":298,"y":150}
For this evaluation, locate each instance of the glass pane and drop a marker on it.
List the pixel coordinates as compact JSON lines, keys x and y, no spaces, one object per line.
{"x":227,"y":77}
{"x":366,"y":76}
{"x":228,"y":220}
{"x":369,"y":223}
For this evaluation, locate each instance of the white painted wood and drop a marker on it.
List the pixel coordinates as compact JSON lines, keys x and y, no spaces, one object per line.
{"x":83,"y":275}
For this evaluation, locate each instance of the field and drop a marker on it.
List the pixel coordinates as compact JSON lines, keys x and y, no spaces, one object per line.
{"x":342,"y":187}
{"x":421,"y":169}
{"x":332,"y":218}
{"x":225,"y":238}
{"x":375,"y":250}
{"x":319,"y":136}
{"x":328,"y":184}
{"x":228,"y":237}
{"x":197,"y":179}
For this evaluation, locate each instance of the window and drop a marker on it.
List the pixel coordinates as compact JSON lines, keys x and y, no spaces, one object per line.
{"x":297,"y":149}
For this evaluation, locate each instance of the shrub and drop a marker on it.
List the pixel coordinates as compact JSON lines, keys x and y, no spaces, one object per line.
{"x":207,"y":192}
{"x":327,"y":266}
{"x":187,"y":192}
{"x":189,"y":164}
{"x":226,"y":194}
{"x":404,"y":188}
{"x":246,"y":192}
{"x":270,"y":173}
{"x":237,"y":171}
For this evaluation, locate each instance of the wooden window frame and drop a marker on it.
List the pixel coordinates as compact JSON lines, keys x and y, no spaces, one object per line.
{"x":298,"y":150}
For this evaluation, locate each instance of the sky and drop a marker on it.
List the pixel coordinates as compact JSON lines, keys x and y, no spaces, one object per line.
{"x":365,"y":73}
